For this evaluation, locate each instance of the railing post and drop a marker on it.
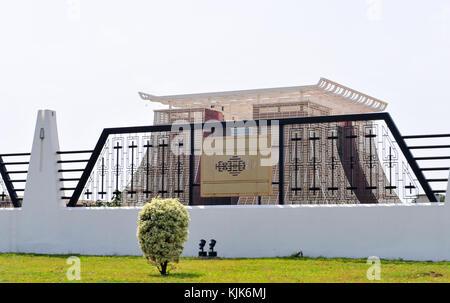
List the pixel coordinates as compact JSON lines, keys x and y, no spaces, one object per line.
{"x":281,"y":163}
{"x":191,"y":167}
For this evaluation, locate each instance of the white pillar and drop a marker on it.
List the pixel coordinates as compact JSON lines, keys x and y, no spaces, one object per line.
{"x":42,"y":190}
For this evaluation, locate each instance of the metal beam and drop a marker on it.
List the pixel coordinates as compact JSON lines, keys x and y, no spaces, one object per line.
{"x":9,"y":186}
{"x":191,"y":166}
{"x":409,"y":157}
{"x":281,"y":164}
{"x":89,"y":167}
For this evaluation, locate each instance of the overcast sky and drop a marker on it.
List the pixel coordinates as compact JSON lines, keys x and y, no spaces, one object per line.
{"x":88,"y":59}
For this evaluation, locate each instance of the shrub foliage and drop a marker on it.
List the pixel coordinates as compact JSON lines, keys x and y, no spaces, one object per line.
{"x":162,"y":230}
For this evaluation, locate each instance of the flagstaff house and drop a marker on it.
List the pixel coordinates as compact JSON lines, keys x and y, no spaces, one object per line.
{"x":324,"y":163}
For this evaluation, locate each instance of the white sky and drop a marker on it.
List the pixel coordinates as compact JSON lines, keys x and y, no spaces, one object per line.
{"x":88,"y":59}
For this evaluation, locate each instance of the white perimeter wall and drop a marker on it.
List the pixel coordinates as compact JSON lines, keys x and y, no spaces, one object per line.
{"x":416,"y":232}
{"x":42,"y":225}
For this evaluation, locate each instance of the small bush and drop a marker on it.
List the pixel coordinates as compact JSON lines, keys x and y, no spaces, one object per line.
{"x":162,"y":230}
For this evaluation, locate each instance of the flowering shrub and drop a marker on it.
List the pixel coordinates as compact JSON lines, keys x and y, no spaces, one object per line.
{"x":162,"y":230}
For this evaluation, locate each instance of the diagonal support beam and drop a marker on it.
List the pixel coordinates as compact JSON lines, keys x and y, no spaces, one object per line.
{"x":410,"y":158}
{"x":9,"y":186}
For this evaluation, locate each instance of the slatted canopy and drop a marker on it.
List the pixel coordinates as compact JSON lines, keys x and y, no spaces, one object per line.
{"x":238,"y":104}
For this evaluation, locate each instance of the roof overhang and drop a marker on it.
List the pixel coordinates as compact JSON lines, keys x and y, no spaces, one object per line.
{"x":338,"y":97}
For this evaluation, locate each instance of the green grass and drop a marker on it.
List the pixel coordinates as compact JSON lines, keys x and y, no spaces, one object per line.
{"x":52,"y":268}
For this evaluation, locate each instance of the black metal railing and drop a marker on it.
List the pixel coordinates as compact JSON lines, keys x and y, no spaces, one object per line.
{"x":13,"y":173}
{"x":71,"y":169}
{"x":436,"y":172}
{"x":323,"y":159}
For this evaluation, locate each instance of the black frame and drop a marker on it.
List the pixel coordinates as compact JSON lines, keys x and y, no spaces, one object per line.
{"x":281,"y":123}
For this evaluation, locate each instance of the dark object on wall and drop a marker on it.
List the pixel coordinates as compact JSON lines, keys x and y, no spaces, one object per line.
{"x":202,"y":244}
{"x":212,"y":253}
{"x":298,"y":254}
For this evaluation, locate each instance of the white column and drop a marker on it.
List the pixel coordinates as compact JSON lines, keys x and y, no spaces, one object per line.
{"x":42,"y":190}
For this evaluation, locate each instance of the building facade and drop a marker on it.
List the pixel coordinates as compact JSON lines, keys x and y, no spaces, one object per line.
{"x":326,"y":163}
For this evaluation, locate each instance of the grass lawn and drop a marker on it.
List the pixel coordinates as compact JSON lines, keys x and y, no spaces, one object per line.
{"x":49,"y":268}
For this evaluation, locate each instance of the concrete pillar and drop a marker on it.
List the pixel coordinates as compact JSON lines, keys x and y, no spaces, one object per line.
{"x":42,"y":190}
